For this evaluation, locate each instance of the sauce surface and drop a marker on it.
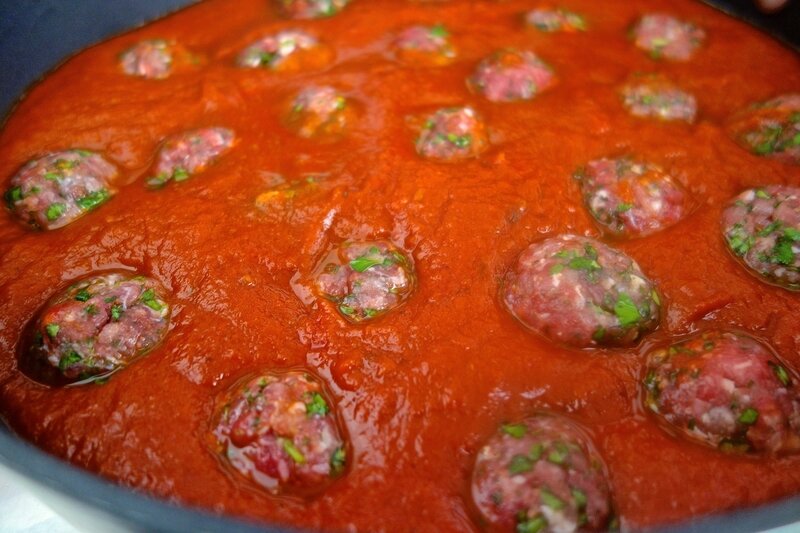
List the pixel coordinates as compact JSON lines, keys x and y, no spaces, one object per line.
{"x":419,"y":390}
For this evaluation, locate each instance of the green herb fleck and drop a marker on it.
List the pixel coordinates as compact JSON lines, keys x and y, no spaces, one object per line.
{"x":68,"y":360}
{"x":626,"y":311}
{"x":82,"y":295}
{"x":316,"y":405}
{"x":515,"y":430}
{"x":780,"y":373}
{"x":180,"y":174}
{"x":52,"y":330}
{"x":55,"y":211}
{"x":148,"y":298}
{"x":289,"y":447}
{"x":92,"y":200}
{"x":621,"y":208}
{"x":534,"y":525}
{"x":551,"y":500}
{"x":519,"y":464}
{"x":749,"y":416}
{"x":338,"y":461}
{"x":116,"y":312}
{"x":13,"y":195}
{"x":369,"y":260}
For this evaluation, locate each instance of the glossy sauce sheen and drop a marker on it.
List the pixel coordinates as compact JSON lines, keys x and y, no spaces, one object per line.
{"x":420,"y":389}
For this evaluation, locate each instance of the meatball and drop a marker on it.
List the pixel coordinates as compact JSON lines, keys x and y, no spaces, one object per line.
{"x":286,"y":51}
{"x":771,"y":129}
{"x":320,"y":112}
{"x":58,"y":188}
{"x":631,"y":198}
{"x":656,"y":98}
{"x":510,"y":75}
{"x":726,"y":390}
{"x":188,"y":153}
{"x":541,"y":475}
{"x":664,"y":36}
{"x":366,"y":279}
{"x":279,"y":431}
{"x":153,"y":59}
{"x":762,"y":227}
{"x":95,"y":327}
{"x":580,"y":292}
{"x":311,"y":9}
{"x":453,"y":134}
{"x":555,"y":20}
{"x":425,"y":46}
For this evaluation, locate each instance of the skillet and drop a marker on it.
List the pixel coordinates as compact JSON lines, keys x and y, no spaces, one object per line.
{"x":28,"y":50}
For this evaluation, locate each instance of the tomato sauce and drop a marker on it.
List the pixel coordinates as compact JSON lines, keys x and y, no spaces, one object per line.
{"x":418,"y":390}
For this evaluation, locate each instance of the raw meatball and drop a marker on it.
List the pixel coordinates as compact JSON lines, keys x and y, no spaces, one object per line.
{"x":366,"y":279}
{"x":286,"y":51}
{"x":771,"y":129}
{"x":541,"y":475}
{"x":95,"y":327}
{"x":580,"y":292}
{"x":154,"y":59}
{"x":311,"y":9}
{"x":453,"y":134}
{"x":186,"y":154}
{"x":657,"y":98}
{"x":425,"y":46}
{"x":54,"y":190}
{"x":510,"y":75}
{"x":279,"y":431}
{"x":555,"y":20}
{"x":320,"y":112}
{"x":726,"y":390}
{"x":664,"y":36}
{"x":631,"y":198}
{"x":762,"y":227}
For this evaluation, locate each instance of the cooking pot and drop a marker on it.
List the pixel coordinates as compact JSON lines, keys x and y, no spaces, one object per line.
{"x":37,"y":36}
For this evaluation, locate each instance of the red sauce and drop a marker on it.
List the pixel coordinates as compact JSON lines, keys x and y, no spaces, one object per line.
{"x":420,"y":389}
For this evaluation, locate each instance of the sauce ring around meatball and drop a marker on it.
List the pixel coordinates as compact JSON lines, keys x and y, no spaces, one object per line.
{"x":542,"y":474}
{"x":366,"y":279}
{"x":279,"y":430}
{"x":94,"y":328}
{"x":724,"y":389}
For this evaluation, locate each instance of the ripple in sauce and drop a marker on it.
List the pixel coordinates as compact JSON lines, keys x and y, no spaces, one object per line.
{"x":421,"y":389}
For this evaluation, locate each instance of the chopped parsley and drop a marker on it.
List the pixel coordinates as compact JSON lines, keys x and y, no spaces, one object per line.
{"x":515,"y":430}
{"x":782,"y":253}
{"x":180,"y":174}
{"x":149,"y":299}
{"x":316,"y":405}
{"x":289,"y":447}
{"x":92,"y":200}
{"x":623,"y":207}
{"x":116,"y":312}
{"x":780,"y":373}
{"x":551,"y":500}
{"x":558,"y":455}
{"x":338,"y":460}
{"x":370,"y":259}
{"x":82,"y":295}
{"x":580,"y":498}
{"x":748,"y":417}
{"x":52,"y":329}
{"x":439,"y":31}
{"x":68,"y":360}
{"x":533,"y":525}
{"x":739,"y":241}
{"x":55,"y":211}
{"x":13,"y":195}
{"x":626,"y":311}
{"x":519,"y":465}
